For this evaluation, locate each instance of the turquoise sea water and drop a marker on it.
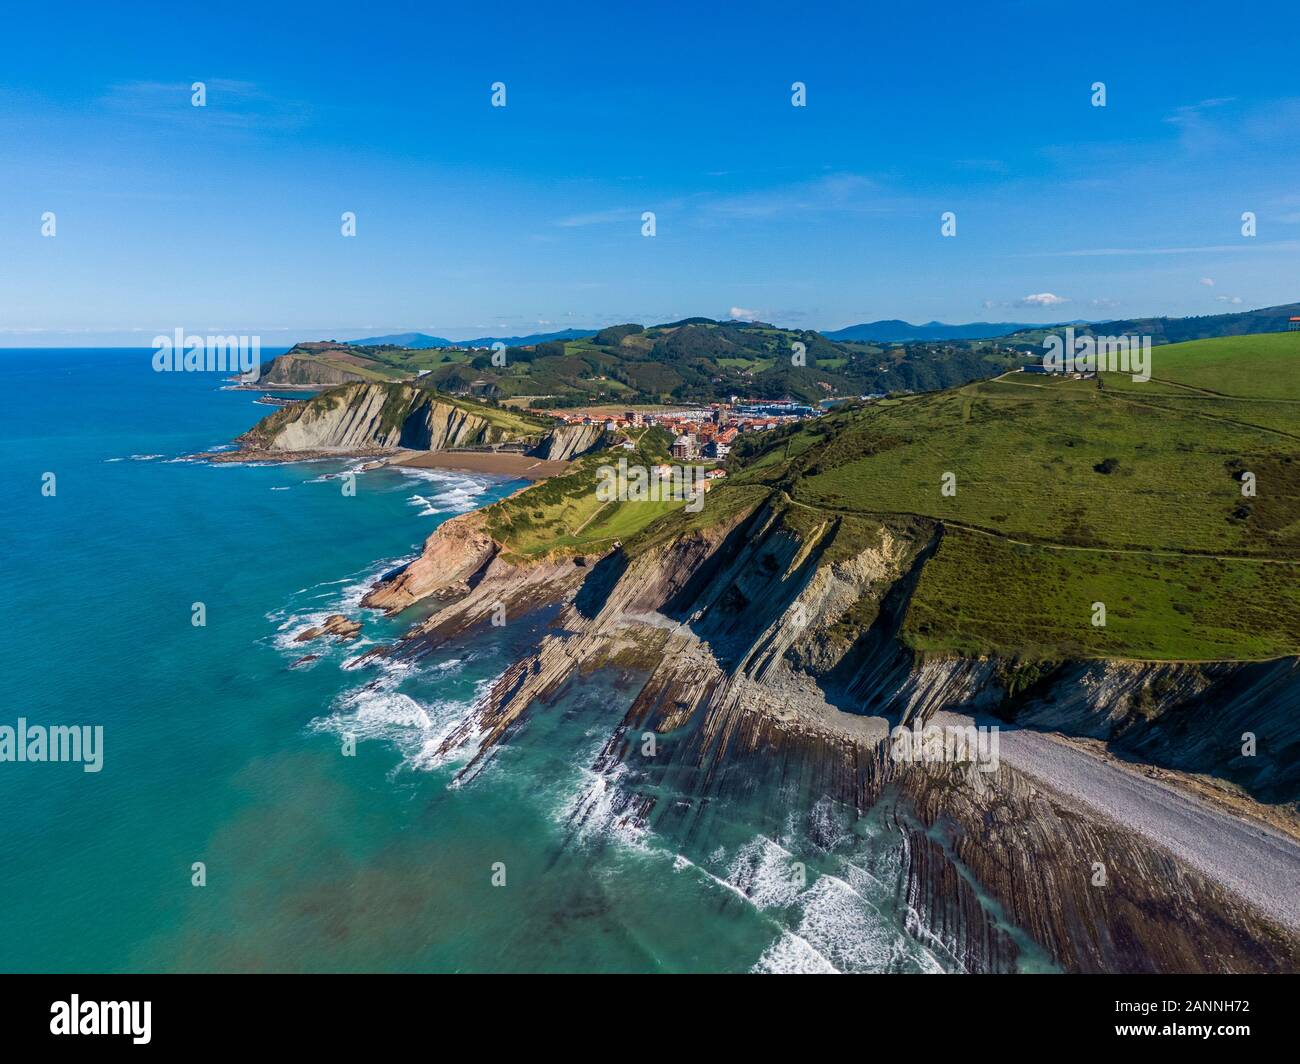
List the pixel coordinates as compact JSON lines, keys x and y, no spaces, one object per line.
{"x":215,"y":750}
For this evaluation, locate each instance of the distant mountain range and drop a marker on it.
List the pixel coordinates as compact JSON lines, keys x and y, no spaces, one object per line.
{"x":1176,"y":330}
{"x":417,"y":341}
{"x":893,"y":331}
{"x":414,"y":341}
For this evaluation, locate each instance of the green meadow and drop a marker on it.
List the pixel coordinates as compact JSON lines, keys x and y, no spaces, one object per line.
{"x":1054,"y":494}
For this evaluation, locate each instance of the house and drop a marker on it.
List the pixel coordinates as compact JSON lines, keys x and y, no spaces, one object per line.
{"x":1293,"y":323}
{"x":716,"y":449}
{"x":684,"y":446}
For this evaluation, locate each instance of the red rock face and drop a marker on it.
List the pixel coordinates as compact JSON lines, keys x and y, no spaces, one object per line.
{"x":457,"y":551}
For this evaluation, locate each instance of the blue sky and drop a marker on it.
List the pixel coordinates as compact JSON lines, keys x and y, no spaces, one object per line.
{"x":473,"y":219}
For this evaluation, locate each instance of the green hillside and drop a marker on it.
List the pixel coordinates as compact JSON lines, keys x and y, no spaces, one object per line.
{"x":1164,"y":330}
{"x":692,"y":360}
{"x":1266,"y":366}
{"x":1068,"y":493}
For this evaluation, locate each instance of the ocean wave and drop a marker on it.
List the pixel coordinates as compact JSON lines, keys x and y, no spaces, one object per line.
{"x":833,"y":923}
{"x":418,"y":729}
{"x":601,"y":807}
{"x":792,"y":955}
{"x":764,"y":871}
{"x":459,"y":492}
{"x":357,"y":469}
{"x":309,"y":607}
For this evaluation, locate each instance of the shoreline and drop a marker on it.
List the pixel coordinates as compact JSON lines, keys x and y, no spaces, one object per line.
{"x":495,"y":463}
{"x":492,"y":463}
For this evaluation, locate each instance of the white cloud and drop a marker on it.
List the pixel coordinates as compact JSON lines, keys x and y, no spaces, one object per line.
{"x":1043,"y":299}
{"x":741,"y":314}
{"x":1208,"y":282}
{"x":847,"y":193}
{"x":1228,"y":299}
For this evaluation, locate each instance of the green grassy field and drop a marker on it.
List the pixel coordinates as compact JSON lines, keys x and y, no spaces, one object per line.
{"x":1254,"y":367}
{"x":979,"y":594}
{"x":1062,"y":463}
{"x":564,"y":514}
{"x":1070,"y":492}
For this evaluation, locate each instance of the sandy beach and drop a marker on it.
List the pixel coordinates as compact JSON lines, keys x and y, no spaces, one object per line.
{"x":498,"y":463}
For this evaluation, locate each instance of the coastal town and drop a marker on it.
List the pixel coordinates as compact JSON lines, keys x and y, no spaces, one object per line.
{"x":702,"y":432}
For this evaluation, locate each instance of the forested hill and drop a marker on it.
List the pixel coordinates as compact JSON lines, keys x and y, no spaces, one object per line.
{"x":696,"y":359}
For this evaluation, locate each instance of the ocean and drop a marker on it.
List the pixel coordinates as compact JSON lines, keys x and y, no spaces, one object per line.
{"x":219,"y":753}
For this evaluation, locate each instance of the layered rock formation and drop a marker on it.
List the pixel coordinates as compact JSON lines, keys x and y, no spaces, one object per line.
{"x":566,"y":442}
{"x":298,"y":371}
{"x":764,"y":652}
{"x":363,"y":417}
{"x":453,"y":556}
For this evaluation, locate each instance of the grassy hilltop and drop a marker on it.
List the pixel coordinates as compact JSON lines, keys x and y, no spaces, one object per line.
{"x":1068,"y":492}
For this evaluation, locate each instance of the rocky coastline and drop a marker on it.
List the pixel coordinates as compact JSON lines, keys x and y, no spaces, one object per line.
{"x":733,"y":646}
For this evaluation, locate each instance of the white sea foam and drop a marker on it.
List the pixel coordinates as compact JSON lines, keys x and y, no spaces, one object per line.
{"x":458,"y":493}
{"x":765,"y":873}
{"x":792,"y":955}
{"x":598,"y":807}
{"x":379,"y":711}
{"x":310,"y":606}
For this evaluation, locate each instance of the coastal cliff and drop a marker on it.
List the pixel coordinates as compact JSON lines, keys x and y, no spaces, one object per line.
{"x":362,"y":417}
{"x":769,"y":650}
{"x":302,"y":368}
{"x":566,"y":442}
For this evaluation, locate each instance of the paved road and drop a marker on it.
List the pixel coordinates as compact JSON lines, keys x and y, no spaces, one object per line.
{"x":1249,"y":859}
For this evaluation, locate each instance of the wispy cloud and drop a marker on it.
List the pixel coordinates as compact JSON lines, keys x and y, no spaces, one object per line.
{"x":835,"y":192}
{"x":831,"y":194}
{"x":230,"y":104}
